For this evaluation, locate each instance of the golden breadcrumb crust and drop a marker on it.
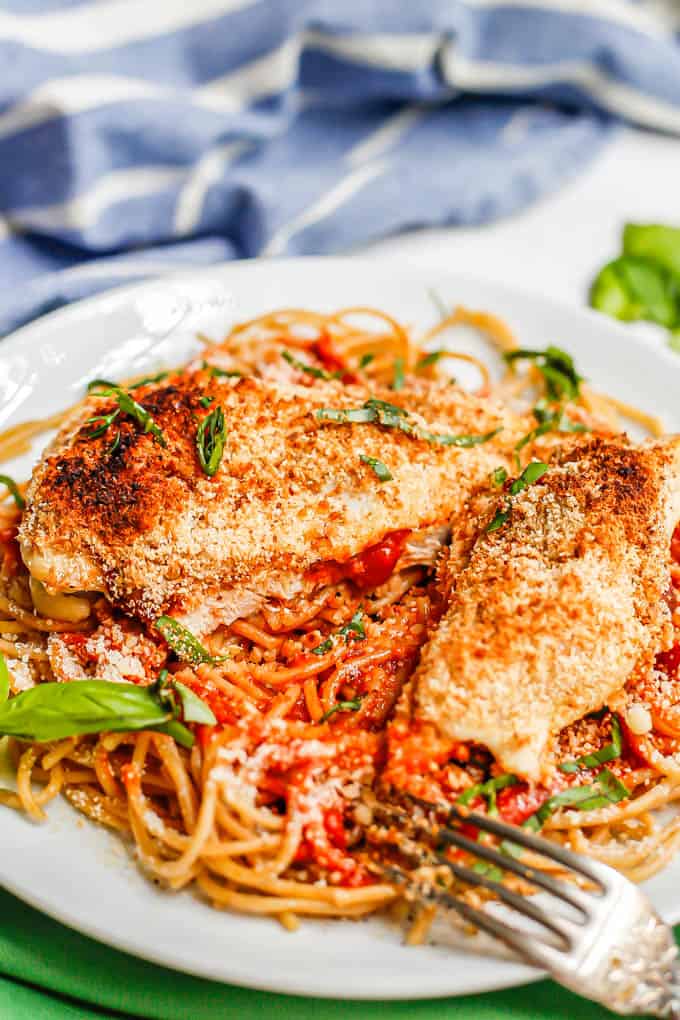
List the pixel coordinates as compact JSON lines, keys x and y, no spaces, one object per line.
{"x":553,"y":612}
{"x":144,"y":524}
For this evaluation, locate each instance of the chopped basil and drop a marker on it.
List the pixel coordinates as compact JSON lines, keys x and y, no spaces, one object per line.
{"x":510,"y":849}
{"x":606,"y":789}
{"x":341,"y":706}
{"x":218,"y":372}
{"x":381,"y":470}
{"x":210,"y":439}
{"x":608,"y":753}
{"x":324,"y":647}
{"x":500,"y":518}
{"x":487,"y":790}
{"x":366,"y":360}
{"x":318,"y":373}
{"x":562,"y":381}
{"x":183,"y":643}
{"x":385,"y":406}
{"x":430,"y":359}
{"x":489,"y":870}
{"x":129,"y":406}
{"x":13,"y":491}
{"x":148,"y":379}
{"x":398,"y":379}
{"x":101,"y":382}
{"x":532,"y":472}
{"x":115,"y":444}
{"x":354,"y":627}
{"x":105,"y":419}
{"x":380,"y":412}
{"x":357,"y":415}
{"x":462,"y":441}
{"x":498,"y":477}
{"x":549,"y":421}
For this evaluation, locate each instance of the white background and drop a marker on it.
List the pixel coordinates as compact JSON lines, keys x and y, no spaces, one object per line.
{"x":556,"y":246}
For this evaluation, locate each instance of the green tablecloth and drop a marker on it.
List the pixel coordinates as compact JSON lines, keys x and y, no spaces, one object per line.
{"x":53,"y":973}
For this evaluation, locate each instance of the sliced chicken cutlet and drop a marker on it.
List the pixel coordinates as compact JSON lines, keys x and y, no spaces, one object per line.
{"x":551,"y":613}
{"x":135,"y":516}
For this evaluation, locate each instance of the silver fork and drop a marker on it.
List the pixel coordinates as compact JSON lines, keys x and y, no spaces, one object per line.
{"x":618,"y":952}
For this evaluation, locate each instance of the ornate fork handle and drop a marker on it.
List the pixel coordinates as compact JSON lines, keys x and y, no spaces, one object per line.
{"x":642,"y":973}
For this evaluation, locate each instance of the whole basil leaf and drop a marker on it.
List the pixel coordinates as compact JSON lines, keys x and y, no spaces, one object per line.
{"x":52,"y":711}
{"x":654,"y":241}
{"x":632,"y":288}
{"x":194,"y":709}
{"x":4,"y":679}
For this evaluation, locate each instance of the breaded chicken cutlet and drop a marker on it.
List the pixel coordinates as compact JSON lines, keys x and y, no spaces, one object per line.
{"x":297,"y":492}
{"x":555,"y":609}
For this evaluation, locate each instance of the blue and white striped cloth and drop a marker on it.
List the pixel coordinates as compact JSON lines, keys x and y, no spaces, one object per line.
{"x":141,"y":136}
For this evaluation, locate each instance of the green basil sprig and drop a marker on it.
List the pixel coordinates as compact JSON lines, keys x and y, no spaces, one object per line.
{"x":210,"y":439}
{"x":13,"y":491}
{"x":183,"y":643}
{"x":54,"y":711}
{"x":644,"y":281}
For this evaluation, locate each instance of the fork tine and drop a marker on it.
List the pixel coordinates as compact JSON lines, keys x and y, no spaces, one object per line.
{"x":527,"y":946}
{"x":516,"y":834}
{"x":522,"y":904}
{"x":560,"y":890}
{"x":532,"y":949}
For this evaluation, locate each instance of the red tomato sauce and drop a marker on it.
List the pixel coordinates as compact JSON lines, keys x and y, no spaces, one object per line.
{"x":368,"y":569}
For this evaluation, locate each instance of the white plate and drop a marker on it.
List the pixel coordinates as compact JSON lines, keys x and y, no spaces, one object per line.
{"x":81,"y":875}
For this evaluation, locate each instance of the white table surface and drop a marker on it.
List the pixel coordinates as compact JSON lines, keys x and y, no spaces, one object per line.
{"x":556,"y":245}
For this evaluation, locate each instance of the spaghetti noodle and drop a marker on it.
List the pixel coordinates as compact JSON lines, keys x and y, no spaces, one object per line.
{"x":267,"y":812}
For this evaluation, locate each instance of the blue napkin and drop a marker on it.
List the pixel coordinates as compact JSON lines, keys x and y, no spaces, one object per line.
{"x":137,"y":138}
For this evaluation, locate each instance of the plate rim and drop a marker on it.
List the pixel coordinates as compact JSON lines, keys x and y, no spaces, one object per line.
{"x":401,"y":264}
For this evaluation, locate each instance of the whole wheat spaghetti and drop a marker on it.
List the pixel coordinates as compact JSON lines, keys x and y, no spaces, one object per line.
{"x":267,"y":812}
